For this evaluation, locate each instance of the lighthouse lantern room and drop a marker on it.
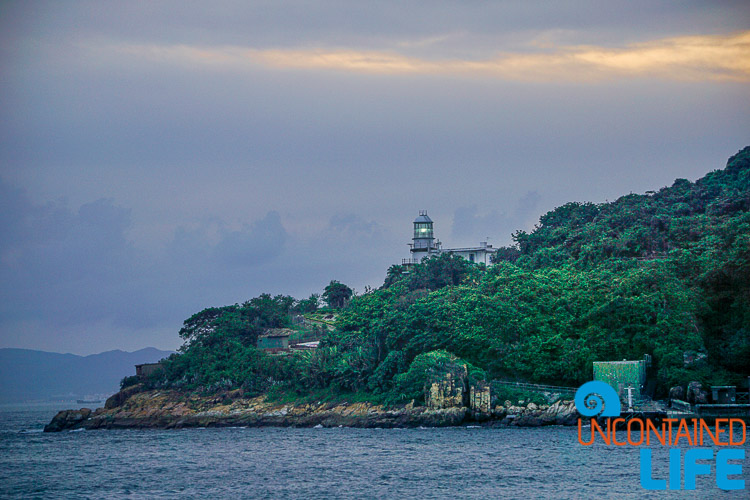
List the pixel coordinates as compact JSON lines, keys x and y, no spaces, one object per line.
{"x":424,"y":239}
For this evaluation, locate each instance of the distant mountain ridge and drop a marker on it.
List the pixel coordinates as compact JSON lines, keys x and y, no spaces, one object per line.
{"x":30,"y":375}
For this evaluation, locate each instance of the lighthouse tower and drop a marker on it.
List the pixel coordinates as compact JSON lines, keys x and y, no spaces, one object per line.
{"x":424,"y":239}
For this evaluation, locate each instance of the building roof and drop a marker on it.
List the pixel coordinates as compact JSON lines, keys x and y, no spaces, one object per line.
{"x":423,"y":218}
{"x":487,"y":249}
{"x":276,"y":332}
{"x":623,"y":362}
{"x":305,"y":345}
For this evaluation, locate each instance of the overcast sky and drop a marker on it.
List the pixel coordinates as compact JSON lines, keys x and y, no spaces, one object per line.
{"x":162,"y":157}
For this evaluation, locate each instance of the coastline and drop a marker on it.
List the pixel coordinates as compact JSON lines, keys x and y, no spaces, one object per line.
{"x":134,"y":409}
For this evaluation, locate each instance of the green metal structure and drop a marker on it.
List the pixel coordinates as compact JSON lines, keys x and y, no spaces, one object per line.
{"x":622,"y":374}
{"x":274,"y":338}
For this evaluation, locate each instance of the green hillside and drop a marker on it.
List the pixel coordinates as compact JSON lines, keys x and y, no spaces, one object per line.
{"x":666,"y":273}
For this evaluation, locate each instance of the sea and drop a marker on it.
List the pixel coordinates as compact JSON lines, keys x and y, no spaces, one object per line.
{"x":458,"y":462}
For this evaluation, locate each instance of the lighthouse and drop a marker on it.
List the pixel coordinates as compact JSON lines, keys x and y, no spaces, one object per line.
{"x":423,"y":243}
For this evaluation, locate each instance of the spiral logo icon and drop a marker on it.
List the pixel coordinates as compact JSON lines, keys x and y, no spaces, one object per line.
{"x":596,"y":398}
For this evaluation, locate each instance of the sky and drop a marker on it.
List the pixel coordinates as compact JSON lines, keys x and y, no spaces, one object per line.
{"x":158,"y":158}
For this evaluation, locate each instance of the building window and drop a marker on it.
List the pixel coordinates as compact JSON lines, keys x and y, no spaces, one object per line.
{"x":471,"y":257}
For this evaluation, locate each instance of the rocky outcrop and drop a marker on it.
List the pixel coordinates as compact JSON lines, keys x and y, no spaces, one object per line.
{"x":449,"y":391}
{"x":676,"y":392}
{"x":480,"y":400}
{"x":532,"y":415}
{"x":117,"y":399}
{"x":172,"y":409}
{"x":68,"y":419}
{"x":696,"y":394}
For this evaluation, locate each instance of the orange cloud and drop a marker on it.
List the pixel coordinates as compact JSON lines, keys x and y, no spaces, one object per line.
{"x":697,"y":58}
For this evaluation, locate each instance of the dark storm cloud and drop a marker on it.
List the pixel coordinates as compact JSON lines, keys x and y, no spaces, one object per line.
{"x":64,"y":269}
{"x":66,"y":266}
{"x":56,"y":261}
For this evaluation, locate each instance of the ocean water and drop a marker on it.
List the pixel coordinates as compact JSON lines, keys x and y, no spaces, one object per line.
{"x":465,"y":462}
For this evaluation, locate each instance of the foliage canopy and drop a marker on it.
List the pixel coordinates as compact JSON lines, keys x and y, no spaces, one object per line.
{"x":666,"y":273}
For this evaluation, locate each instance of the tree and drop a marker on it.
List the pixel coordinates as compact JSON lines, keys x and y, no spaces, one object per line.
{"x":506,"y":254}
{"x":203,"y":324}
{"x":337,"y":294}
{"x":438,"y":271}
{"x":241,"y":323}
{"x":309,"y":305}
{"x":394,"y":274}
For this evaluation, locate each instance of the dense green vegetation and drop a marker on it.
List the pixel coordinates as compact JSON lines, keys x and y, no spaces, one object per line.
{"x":666,"y":273}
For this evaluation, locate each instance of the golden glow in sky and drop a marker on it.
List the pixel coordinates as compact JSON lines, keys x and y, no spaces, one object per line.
{"x":687,"y":58}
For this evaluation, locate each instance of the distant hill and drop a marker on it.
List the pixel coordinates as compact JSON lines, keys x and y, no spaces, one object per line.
{"x":28,"y":375}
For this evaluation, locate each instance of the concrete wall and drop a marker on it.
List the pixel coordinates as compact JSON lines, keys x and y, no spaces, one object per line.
{"x":449,"y":392}
{"x":454,"y":391}
{"x":480,"y":399}
{"x":480,"y":254}
{"x":147,"y":369}
{"x":275,"y":342}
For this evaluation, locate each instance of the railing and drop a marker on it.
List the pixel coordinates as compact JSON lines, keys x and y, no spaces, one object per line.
{"x":728,"y":410}
{"x":538,"y":387}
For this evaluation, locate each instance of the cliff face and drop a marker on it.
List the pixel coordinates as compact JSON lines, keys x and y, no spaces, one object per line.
{"x":171,"y":409}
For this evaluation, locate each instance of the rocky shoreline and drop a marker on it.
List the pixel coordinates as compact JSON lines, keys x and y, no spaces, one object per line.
{"x":133,"y":408}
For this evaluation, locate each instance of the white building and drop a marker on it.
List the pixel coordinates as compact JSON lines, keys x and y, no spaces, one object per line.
{"x":424,"y":244}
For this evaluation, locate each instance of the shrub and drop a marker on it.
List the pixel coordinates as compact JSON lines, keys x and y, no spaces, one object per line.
{"x":428,"y":367}
{"x":128,"y":381}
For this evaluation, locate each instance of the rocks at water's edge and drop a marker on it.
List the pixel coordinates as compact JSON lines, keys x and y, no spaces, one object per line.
{"x":696,"y":394}
{"x":171,"y":409}
{"x":68,"y":419}
{"x":119,"y":398}
{"x":677,"y":392}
